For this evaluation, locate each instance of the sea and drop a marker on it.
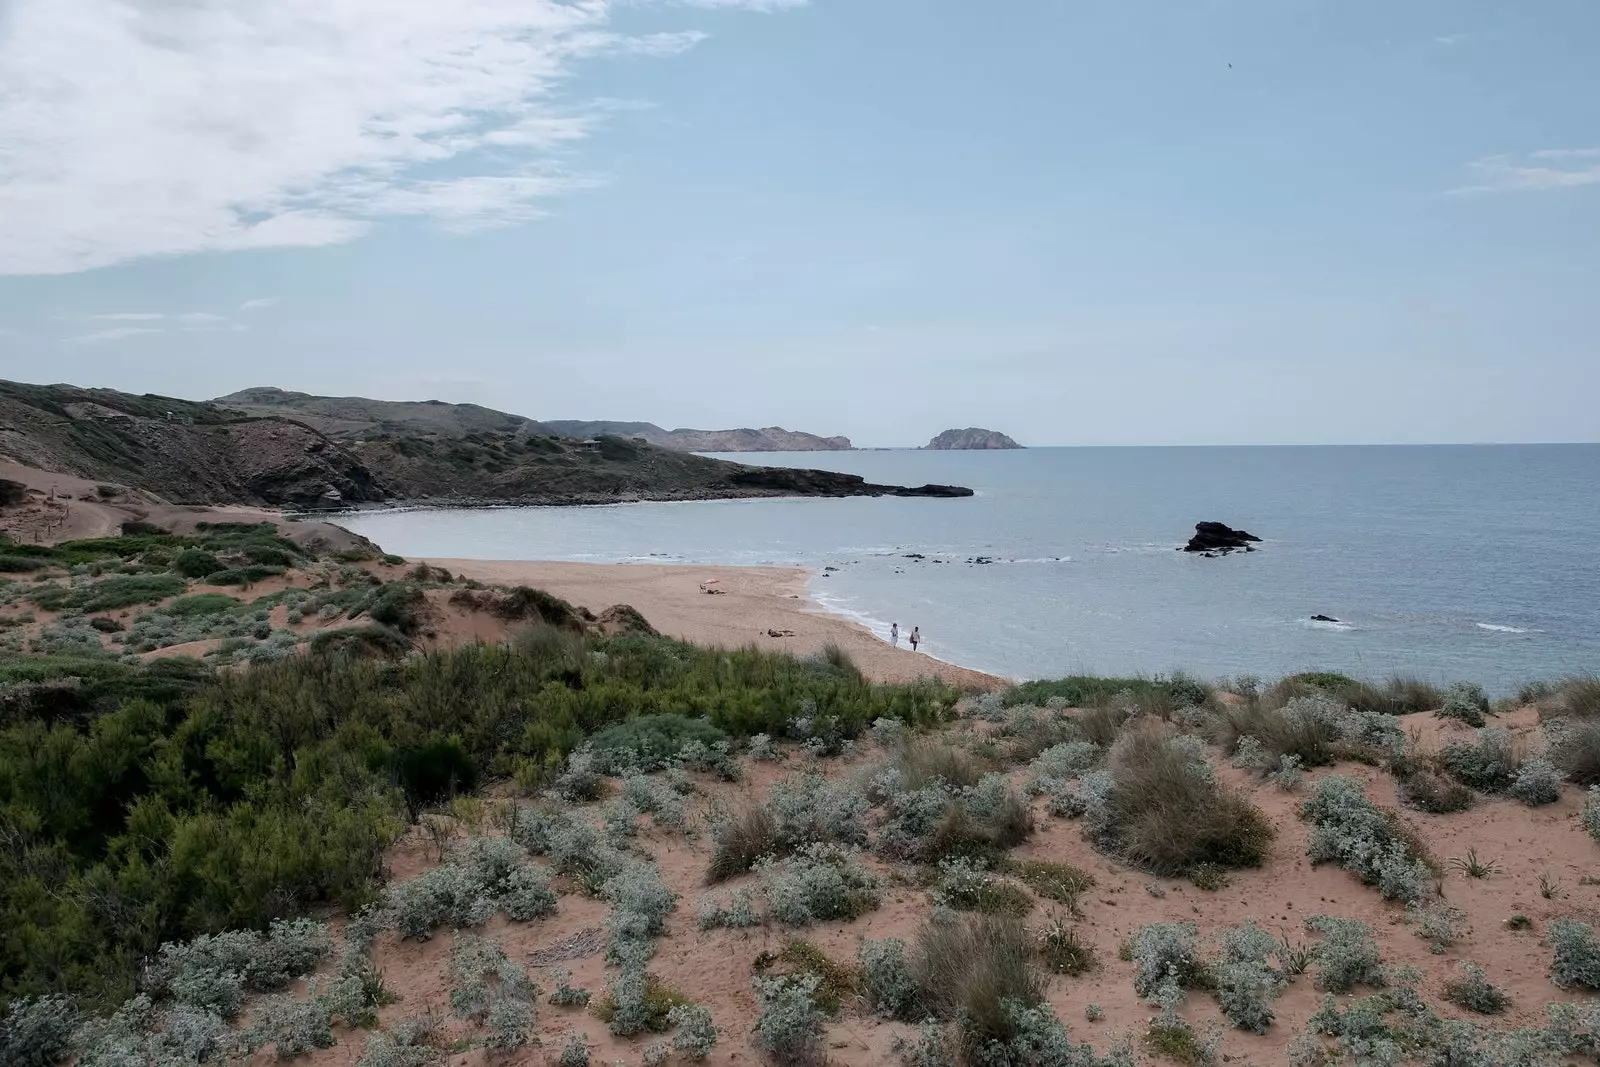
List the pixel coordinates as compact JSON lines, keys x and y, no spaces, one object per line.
{"x":1447,"y":563}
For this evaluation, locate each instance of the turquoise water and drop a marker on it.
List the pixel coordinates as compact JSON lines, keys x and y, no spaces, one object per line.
{"x":1445,"y":562}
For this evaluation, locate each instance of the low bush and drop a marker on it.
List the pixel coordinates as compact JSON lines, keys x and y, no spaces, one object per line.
{"x":399,"y":606}
{"x":1424,"y":790}
{"x":1085,"y":691}
{"x":1346,"y":956}
{"x":108,"y":594}
{"x":696,"y":1035}
{"x":574,"y":1050}
{"x":968,"y":885}
{"x":1438,"y":923}
{"x":968,"y":972}
{"x":1348,"y":829}
{"x":1466,"y":702}
{"x":1244,"y":982}
{"x":1475,"y":992}
{"x":1306,"y":727}
{"x":1589,"y":815}
{"x":481,"y":875}
{"x":738,"y":913}
{"x":483,"y":978}
{"x":37,"y":1032}
{"x":1062,"y":950}
{"x":1489,"y":761}
{"x":650,"y":742}
{"x":789,"y":1028}
{"x":935,"y":821}
{"x":886,"y":980}
{"x":800,"y":957}
{"x":1537,"y":782}
{"x":637,"y":1001}
{"x":1577,"y":954}
{"x":196,"y":563}
{"x":1061,"y":882}
{"x":1574,"y":747}
{"x":819,"y":882}
{"x":1165,"y":812}
{"x":1166,"y":952}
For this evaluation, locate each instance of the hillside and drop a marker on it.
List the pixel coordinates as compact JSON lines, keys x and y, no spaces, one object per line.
{"x":971,"y":439}
{"x":185,"y":452}
{"x":203,"y":453}
{"x":766,"y":439}
{"x":357,"y":416}
{"x":345,"y":417}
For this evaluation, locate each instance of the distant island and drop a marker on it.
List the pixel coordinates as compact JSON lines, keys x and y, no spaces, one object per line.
{"x":744,"y":439}
{"x":971,"y":439}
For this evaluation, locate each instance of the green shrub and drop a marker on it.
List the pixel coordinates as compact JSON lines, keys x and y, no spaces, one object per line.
{"x":1086,"y":691}
{"x":1577,"y":955}
{"x":1347,"y":955}
{"x":819,"y":882}
{"x":203,"y":604}
{"x":108,"y":594}
{"x":399,"y":606}
{"x":789,"y":1028}
{"x":649,"y":742}
{"x":196,"y":563}
{"x":696,"y":1035}
{"x":886,"y":981}
{"x":968,"y":885}
{"x":1466,"y":702}
{"x":1061,"y":882}
{"x":1489,"y":762}
{"x":1244,"y":983}
{"x":11,"y":563}
{"x":1475,"y":992}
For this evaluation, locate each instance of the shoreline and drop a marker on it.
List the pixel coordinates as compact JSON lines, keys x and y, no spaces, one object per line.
{"x":753,"y":604}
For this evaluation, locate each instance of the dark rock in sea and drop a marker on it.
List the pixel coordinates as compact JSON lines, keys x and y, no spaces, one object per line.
{"x":981,"y":560}
{"x":915,"y":555}
{"x":1218,"y":538}
{"x":788,"y":481}
{"x":1323,"y":618}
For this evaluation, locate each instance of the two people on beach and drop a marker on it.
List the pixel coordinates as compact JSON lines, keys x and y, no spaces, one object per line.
{"x":894,"y":636}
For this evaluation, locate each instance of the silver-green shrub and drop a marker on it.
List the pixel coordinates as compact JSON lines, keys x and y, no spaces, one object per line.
{"x":697,"y":1034}
{"x":1347,"y":955}
{"x":819,"y":882}
{"x":886,"y":980}
{"x":790,"y":1025}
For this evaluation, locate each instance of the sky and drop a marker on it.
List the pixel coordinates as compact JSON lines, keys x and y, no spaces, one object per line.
{"x":1074,"y":221}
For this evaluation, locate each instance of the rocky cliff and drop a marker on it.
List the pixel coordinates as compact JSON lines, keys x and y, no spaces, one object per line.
{"x":971,"y":438}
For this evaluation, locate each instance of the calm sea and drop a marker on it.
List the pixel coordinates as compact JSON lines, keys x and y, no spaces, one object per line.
{"x":1470,"y":562}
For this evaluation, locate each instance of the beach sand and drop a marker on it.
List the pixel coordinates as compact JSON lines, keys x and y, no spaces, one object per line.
{"x":752,"y":602}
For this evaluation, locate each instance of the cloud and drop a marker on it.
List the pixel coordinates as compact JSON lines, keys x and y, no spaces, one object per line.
{"x":130,"y":316}
{"x":258,"y":303}
{"x":116,"y":333}
{"x":134,"y":128}
{"x":1542,"y":171}
{"x":1449,"y":39}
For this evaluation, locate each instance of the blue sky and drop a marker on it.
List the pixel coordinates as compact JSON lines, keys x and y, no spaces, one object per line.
{"x":1072,"y":221}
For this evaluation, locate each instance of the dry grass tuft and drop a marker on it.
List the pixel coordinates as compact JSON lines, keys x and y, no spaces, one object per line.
{"x":745,"y":837}
{"x":965,"y":971}
{"x":1169,"y":815}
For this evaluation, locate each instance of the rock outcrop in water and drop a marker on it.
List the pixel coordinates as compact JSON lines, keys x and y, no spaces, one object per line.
{"x":1218,"y":539}
{"x":971,"y":439}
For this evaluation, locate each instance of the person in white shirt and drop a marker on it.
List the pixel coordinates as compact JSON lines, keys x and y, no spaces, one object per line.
{"x":894,"y":634}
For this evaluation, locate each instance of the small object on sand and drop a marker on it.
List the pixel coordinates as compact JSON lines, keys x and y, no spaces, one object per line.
{"x":780,"y":633}
{"x":1323,"y":618}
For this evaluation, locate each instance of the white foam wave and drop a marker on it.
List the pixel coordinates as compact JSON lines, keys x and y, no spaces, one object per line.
{"x":1499,"y":629}
{"x":1318,"y":624}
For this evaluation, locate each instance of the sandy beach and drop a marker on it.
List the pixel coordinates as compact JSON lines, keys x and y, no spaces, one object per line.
{"x":752,"y":602}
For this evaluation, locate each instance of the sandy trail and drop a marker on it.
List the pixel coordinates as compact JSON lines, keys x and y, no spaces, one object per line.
{"x":753,"y":601}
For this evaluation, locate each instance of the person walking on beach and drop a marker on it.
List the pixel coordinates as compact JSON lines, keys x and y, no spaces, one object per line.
{"x":894,"y":634}
{"x":916,"y":637}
